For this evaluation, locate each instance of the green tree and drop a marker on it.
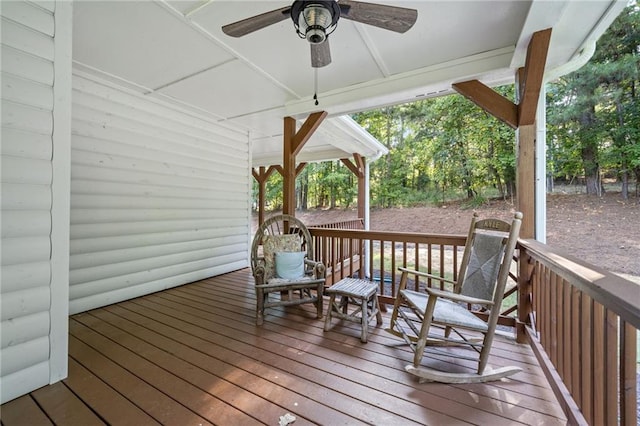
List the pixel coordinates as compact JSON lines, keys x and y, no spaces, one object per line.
{"x":593,"y":113}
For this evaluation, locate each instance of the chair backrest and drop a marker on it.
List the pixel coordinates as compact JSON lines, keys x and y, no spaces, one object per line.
{"x":276,"y":226}
{"x":487,"y":258}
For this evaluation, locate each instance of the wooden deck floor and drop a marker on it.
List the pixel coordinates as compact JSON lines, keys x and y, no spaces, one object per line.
{"x":193,"y":355}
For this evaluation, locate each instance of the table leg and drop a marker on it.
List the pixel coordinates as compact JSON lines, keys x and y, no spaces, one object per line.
{"x":327,"y":320}
{"x":365,"y":321}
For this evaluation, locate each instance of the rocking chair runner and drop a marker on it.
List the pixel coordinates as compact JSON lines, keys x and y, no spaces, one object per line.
{"x":280,"y":243}
{"x":482,"y":280}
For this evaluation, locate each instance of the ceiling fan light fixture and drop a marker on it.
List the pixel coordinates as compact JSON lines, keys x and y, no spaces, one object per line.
{"x":314,"y":20}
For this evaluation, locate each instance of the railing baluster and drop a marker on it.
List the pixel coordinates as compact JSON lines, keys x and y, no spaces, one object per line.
{"x":556,"y":327}
{"x":599,"y":360}
{"x":576,"y":335}
{"x":382,"y":257}
{"x":567,"y":349}
{"x":371,"y":261}
{"x":586,"y":349}
{"x":611,"y":367}
{"x":628,"y":375}
{"x":393,"y":267}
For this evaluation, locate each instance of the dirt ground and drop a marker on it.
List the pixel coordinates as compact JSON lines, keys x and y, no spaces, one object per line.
{"x":604,"y":231}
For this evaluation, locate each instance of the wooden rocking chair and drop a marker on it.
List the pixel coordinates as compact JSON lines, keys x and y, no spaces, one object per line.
{"x":282,"y":262}
{"x":482,"y":280}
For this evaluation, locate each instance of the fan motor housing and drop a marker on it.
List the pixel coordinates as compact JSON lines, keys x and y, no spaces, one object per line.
{"x":314,"y":20}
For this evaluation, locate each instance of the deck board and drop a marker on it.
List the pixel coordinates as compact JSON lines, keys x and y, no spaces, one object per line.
{"x":110,"y":405}
{"x":193,"y":355}
{"x":23,"y":411}
{"x":63,"y":407}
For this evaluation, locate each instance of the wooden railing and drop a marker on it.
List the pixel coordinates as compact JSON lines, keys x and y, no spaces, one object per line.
{"x":376,"y":255}
{"x":581,"y":320}
{"x":343,"y":224}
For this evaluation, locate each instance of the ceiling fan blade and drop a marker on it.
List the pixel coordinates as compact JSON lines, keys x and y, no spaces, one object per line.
{"x":320,"y":54}
{"x":398,"y":19}
{"x":249,"y":25}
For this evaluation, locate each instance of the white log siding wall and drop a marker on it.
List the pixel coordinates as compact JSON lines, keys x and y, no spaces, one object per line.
{"x":36,"y":110}
{"x":159,"y":197}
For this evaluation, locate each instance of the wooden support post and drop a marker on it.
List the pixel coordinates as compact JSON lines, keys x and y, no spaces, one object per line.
{"x":357,"y":168}
{"x":526,"y":178}
{"x":289,"y":168}
{"x":293,"y":143}
{"x":262,"y":176}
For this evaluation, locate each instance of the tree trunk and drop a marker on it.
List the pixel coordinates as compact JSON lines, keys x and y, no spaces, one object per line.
{"x":333,"y":190}
{"x":623,"y":166}
{"x":589,"y":154}
{"x":494,"y":172}
{"x":304,"y":191}
{"x":625,"y":185}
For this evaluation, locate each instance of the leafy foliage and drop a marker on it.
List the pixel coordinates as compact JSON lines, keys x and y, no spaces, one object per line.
{"x":593,"y":113}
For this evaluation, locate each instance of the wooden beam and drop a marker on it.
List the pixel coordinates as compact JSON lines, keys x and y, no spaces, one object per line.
{"x":357,"y":168}
{"x":299,"y":168}
{"x":533,"y":75}
{"x":310,"y":125}
{"x":289,"y":167}
{"x":278,"y":169}
{"x":489,"y":100}
{"x":526,"y":178}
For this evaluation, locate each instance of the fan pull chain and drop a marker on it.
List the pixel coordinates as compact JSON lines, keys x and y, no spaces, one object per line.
{"x":315,"y":85}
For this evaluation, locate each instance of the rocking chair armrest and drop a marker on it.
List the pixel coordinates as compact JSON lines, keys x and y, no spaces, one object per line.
{"x":425,"y":274}
{"x":457,"y":297}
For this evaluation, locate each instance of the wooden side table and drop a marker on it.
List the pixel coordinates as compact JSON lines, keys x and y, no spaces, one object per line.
{"x":360,"y":293}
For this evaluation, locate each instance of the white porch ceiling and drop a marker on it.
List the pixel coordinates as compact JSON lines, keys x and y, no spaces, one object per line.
{"x":176,"y":51}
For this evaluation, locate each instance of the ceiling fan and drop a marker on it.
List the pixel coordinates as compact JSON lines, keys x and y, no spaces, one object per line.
{"x":314,"y":20}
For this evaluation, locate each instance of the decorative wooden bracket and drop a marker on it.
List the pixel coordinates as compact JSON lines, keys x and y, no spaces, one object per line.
{"x":357,"y":168}
{"x":299,"y":168}
{"x":523,"y":113}
{"x":489,"y":100}
{"x":261,"y":176}
{"x":308,"y":128}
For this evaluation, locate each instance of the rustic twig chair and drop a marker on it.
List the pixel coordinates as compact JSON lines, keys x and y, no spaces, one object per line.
{"x":282,"y":262}
{"x":484,"y":271}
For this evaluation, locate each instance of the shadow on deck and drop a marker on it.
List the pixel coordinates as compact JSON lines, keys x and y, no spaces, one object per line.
{"x":193,"y":355}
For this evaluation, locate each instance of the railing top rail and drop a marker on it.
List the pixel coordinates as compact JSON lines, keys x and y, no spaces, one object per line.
{"x":410,"y":237}
{"x":339,"y":224}
{"x":612,"y":291}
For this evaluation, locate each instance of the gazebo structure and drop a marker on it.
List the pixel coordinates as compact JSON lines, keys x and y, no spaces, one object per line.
{"x":131,"y":132}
